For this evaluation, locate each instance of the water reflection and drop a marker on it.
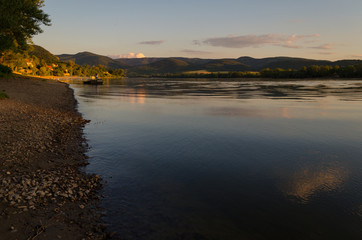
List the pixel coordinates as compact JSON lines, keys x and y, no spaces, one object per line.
{"x":310,"y":180}
{"x":137,"y":96}
{"x":238,"y":112}
{"x":296,"y":89}
{"x":210,"y":159}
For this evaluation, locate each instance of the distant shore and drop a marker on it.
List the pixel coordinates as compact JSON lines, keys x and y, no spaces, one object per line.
{"x":43,"y":192}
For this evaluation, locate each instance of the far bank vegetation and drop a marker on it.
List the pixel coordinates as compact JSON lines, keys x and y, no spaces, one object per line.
{"x":314,"y":71}
{"x":36,"y":61}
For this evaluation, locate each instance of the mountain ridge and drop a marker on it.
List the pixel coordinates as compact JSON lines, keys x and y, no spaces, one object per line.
{"x":164,"y":65}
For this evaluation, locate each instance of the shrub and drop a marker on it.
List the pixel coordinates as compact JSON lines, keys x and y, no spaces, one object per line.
{"x":3,"y":95}
{"x":4,"y":70}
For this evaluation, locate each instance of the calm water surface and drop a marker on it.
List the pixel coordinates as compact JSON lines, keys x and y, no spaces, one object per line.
{"x":208,"y":159}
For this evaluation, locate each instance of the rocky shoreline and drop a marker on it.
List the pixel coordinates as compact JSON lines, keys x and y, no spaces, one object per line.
{"x":44,"y":194}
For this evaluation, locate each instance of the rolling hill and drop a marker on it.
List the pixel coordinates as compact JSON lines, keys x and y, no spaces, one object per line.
{"x":167,"y":65}
{"x":280,"y":62}
{"x":148,"y":66}
{"x":42,"y":53}
{"x":91,"y":59}
{"x":220,"y":65}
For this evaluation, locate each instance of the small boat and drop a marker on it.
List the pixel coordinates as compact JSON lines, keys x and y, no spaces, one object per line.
{"x":93,"y":82}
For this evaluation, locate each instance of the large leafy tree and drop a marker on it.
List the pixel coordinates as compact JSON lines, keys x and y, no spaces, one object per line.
{"x":19,"y":21}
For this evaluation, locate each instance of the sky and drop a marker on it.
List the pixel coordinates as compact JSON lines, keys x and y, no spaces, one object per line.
{"x":318,"y":29}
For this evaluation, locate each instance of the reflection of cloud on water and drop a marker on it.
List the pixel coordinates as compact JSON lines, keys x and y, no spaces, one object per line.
{"x":285,"y":112}
{"x":240,"y":112}
{"x":235,"y":112}
{"x":269,"y":111}
{"x":313,"y":179}
{"x":137,"y":96}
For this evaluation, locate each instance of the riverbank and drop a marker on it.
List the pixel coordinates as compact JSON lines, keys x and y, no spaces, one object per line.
{"x":43,"y":192}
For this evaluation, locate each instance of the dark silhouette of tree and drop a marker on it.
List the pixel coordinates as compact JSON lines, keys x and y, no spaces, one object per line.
{"x":19,"y":21}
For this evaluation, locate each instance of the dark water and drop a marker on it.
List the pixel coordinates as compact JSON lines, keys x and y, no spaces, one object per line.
{"x":207,"y":159}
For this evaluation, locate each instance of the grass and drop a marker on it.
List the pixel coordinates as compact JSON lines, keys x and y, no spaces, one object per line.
{"x":3,"y":95}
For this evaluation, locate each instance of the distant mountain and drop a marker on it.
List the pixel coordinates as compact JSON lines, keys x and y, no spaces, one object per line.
{"x":347,"y":62}
{"x":220,"y":65}
{"x":42,"y":54}
{"x":166,"y":65}
{"x":91,"y":59}
{"x":280,"y":62}
{"x":194,"y":61}
{"x":132,"y":62}
{"x":147,"y":66}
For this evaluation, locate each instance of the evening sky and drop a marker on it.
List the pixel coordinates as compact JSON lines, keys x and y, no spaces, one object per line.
{"x":320,"y":29}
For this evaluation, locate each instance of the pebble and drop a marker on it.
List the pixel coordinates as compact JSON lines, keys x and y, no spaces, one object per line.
{"x":13,"y":229}
{"x":47,"y":138}
{"x":30,"y":191}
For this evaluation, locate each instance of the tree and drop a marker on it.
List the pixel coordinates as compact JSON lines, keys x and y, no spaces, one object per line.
{"x":19,"y":21}
{"x":71,"y":67}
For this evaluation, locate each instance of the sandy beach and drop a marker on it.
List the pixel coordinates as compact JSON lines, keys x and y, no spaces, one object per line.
{"x":44,"y":194}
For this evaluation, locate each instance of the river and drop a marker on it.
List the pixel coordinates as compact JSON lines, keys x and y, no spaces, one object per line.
{"x":230,"y":159}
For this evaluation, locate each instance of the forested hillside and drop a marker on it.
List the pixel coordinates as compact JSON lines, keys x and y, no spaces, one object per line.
{"x":240,"y":67}
{"x":38,"y":61}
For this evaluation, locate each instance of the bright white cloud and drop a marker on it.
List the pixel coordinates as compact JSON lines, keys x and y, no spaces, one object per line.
{"x":244,"y":41}
{"x":129,"y":55}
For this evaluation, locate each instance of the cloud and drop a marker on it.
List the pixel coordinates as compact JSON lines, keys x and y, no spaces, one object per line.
{"x":158,"y":42}
{"x":314,"y":179}
{"x":129,"y":55}
{"x":327,"y":46}
{"x":357,"y":55}
{"x":326,"y":53}
{"x":244,"y":41}
{"x":197,"y":42}
{"x":189,"y":51}
{"x":290,"y":46}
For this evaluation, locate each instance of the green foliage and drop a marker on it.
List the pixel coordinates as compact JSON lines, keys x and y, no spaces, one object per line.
{"x":44,"y":71}
{"x":117,"y":72}
{"x":87,"y":58}
{"x":38,"y":61}
{"x":220,"y":65}
{"x":19,"y":21}
{"x":314,"y":71}
{"x":43,"y":54}
{"x":3,"y":96}
{"x":4,"y":70}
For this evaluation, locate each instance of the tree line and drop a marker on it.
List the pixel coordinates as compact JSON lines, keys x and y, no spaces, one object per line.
{"x":20,"y":20}
{"x":314,"y":71}
{"x":24,"y":63}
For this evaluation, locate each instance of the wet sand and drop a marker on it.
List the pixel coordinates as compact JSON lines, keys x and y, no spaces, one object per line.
{"x":44,"y":194}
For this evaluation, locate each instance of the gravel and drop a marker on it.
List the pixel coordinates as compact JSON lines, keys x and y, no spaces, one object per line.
{"x":44,"y":192}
